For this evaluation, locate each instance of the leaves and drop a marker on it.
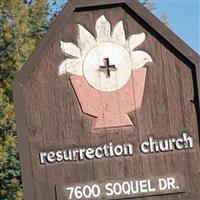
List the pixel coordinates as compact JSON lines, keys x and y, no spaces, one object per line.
{"x":165,"y":20}
{"x":22,"y":24}
{"x":10,"y":175}
{"x":148,"y":4}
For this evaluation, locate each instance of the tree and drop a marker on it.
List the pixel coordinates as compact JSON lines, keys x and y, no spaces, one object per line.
{"x":22,"y":24}
{"x":151,"y":6}
{"x":148,"y":4}
{"x":164,"y":19}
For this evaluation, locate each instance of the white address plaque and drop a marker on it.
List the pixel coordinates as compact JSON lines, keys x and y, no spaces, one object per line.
{"x":127,"y":188}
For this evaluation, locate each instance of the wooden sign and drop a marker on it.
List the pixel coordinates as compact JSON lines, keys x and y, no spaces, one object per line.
{"x":107,"y":107}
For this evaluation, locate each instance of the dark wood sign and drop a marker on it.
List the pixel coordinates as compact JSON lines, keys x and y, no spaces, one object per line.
{"x":108,"y":108}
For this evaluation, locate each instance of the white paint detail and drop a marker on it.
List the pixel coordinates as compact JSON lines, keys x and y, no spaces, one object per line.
{"x":72,"y":66}
{"x":135,"y":40}
{"x":139,"y":59}
{"x":103,"y":29}
{"x":92,"y":52}
{"x":70,"y":49}
{"x":118,"y":33}
{"x":118,"y":56}
{"x":86,"y":40}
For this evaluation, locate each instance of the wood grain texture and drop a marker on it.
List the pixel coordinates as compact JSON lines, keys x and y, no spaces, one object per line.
{"x":24,"y":145}
{"x":91,"y":3}
{"x":49,"y":116}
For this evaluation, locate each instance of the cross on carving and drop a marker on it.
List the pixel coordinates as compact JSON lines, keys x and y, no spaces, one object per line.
{"x":107,"y":68}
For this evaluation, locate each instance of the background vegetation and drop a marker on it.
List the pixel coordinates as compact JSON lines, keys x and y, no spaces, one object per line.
{"x":22,"y":24}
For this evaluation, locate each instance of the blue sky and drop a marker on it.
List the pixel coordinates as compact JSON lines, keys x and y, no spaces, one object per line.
{"x":184,"y":19}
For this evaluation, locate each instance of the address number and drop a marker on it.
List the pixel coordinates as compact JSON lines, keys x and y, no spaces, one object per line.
{"x":85,"y":192}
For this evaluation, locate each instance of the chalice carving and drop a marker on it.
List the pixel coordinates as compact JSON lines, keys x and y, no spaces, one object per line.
{"x":106,"y":72}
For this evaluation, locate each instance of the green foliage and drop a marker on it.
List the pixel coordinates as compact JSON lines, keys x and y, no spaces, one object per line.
{"x":164,"y":19}
{"x":21,"y":26}
{"x":148,"y":4}
{"x":151,"y":6}
{"x":22,"y":23}
{"x":10,"y":180}
{"x":20,"y":29}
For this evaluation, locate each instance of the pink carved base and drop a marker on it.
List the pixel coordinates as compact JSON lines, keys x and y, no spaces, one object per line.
{"x":111,"y":108}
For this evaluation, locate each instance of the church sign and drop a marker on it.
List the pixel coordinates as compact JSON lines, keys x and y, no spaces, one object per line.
{"x":107,"y":107}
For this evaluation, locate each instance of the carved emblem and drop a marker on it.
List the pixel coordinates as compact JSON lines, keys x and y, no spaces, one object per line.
{"x":106,"y":72}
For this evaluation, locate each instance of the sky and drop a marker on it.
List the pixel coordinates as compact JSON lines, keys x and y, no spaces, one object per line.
{"x":183,"y":18}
